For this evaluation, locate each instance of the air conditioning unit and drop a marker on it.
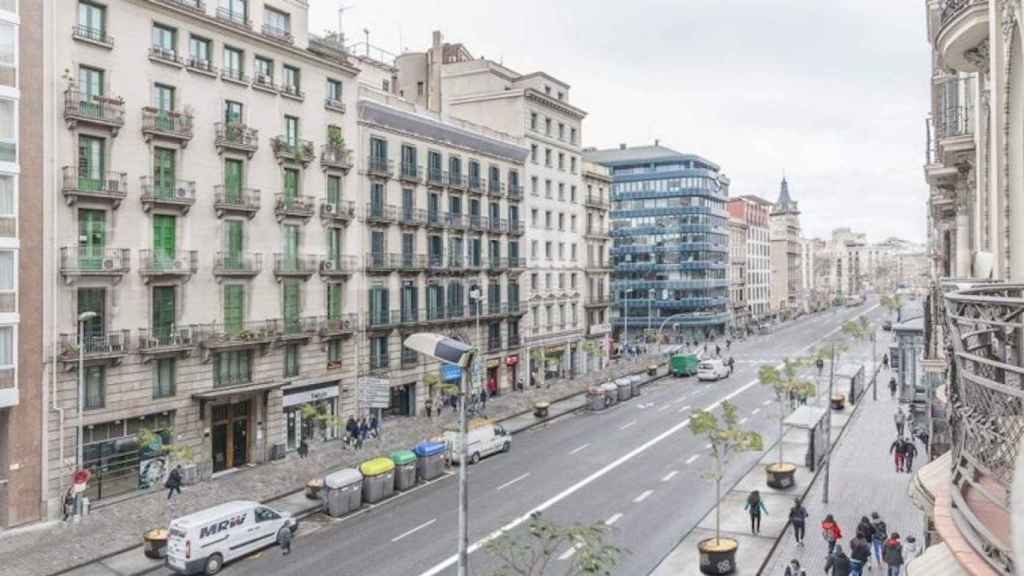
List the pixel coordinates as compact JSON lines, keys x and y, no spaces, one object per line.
{"x":327,"y":265}
{"x":328,"y":208}
{"x":182,"y":193}
{"x":108,"y":264}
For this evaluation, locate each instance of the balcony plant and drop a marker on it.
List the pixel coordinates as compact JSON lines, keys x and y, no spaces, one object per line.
{"x":718,"y":554}
{"x":787,"y":386}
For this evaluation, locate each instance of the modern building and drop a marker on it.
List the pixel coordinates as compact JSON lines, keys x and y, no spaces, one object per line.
{"x":753,"y":211}
{"x":738,"y":272}
{"x":22,"y":385}
{"x":785,"y":254}
{"x":597,"y":184}
{"x":537,"y":108}
{"x":671,"y":241}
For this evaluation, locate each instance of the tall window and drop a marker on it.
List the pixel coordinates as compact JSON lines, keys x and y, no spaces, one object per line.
{"x":163,"y":378}
{"x":334,"y":301}
{"x":333,"y":90}
{"x":291,"y":361}
{"x":164,"y":40}
{"x":291,"y":184}
{"x":95,"y":387}
{"x":90,"y":83}
{"x":264,"y":70}
{"x":163,"y":172}
{"x":292,"y":80}
{"x":276,"y":22}
{"x":232,"y":112}
{"x":291,"y":130}
{"x":199,"y":51}
{"x":237,"y":10}
{"x":234,"y":63}
{"x":163,"y":313}
{"x":234,"y":308}
{"x":230,"y":368}
{"x":92,"y":21}
{"x":91,"y":162}
{"x":233,"y":169}
{"x":334,"y":189}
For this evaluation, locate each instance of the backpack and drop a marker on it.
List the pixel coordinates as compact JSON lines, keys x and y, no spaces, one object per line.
{"x":880,"y":530}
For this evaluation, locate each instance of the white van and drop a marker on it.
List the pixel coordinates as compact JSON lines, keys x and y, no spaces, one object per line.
{"x":481,"y":441}
{"x":713,"y":369}
{"x":202,"y":542}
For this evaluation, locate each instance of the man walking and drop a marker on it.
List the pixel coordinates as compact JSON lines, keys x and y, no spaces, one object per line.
{"x":909,"y":452}
{"x":892,"y":553}
{"x":284,"y":540}
{"x":798,"y":518}
{"x":896,"y":449}
{"x":901,"y":421}
{"x":173,"y":483}
{"x":878,"y":536}
{"x":892,"y":387}
{"x":860,"y":554}
{"x":838,"y":563}
{"x":732,"y":364}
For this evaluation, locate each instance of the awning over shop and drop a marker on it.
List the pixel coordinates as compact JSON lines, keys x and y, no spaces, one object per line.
{"x":927,"y":480}
{"x":936,"y":561}
{"x":216,"y":393}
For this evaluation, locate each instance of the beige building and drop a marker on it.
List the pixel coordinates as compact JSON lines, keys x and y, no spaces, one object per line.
{"x":754,"y":212}
{"x":597,"y":183}
{"x":785,"y":254}
{"x":738,"y":230}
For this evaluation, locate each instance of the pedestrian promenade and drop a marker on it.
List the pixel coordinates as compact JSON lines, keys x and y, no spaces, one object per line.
{"x":118,"y":525}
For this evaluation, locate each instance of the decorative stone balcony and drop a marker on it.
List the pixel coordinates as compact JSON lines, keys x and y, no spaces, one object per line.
{"x":278,"y":34}
{"x":476,"y":185}
{"x":297,"y":328}
{"x":177,"y":195}
{"x":456,"y":181}
{"x":591,"y":201}
{"x":496,"y":265}
{"x":237,"y":335}
{"x":337,"y":266}
{"x":176,"y":265}
{"x":380,"y":263}
{"x":110,"y":347}
{"x":335,"y":156}
{"x":412,"y":217}
{"x":412,"y":263}
{"x":457,"y":221}
{"x":962,"y":38}
{"x":104,"y":112}
{"x":236,"y":137}
{"x":516,"y":228}
{"x":294,"y":266}
{"x":342,"y":325}
{"x":243,"y":201}
{"x":234,"y":18}
{"x":411,"y":173}
{"x":478,"y":223}
{"x":379,"y":167}
{"x":109,"y":188}
{"x":495,"y":188}
{"x":380,"y":214}
{"x":515,"y":192}
{"x":166,"y":56}
{"x":166,"y":341}
{"x":241,"y":265}
{"x":299,"y":152}
{"x":201,"y":66}
{"x":94,"y":36}
{"x":166,"y":125}
{"x":497,"y":226}
{"x":286,"y":206}
{"x":334,"y":104}
{"x":436,"y":177}
{"x":337,"y":212}
{"x":436,"y":219}
{"x":85,"y":262}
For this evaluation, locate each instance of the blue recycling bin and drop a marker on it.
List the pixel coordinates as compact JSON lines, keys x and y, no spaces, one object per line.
{"x":429,"y":459}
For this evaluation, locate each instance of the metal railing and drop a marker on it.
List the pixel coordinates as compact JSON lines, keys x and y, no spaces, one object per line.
{"x":170,"y":190}
{"x":435,"y":176}
{"x":288,"y":205}
{"x":412,"y":262}
{"x":379,"y":166}
{"x":297,"y":151}
{"x":166,"y":338}
{"x":166,"y":123}
{"x":950,"y":9}
{"x":334,"y":104}
{"x":410,"y":172}
{"x":98,"y":35}
{"x":235,"y":18}
{"x":336,"y":156}
{"x":165,"y":54}
{"x":381,"y":212}
{"x":201,"y":64}
{"x":341,"y":324}
{"x":236,"y":135}
{"x":110,"y":184}
{"x":338,"y":264}
{"x":278,"y":34}
{"x":515,"y":192}
{"x":101,"y":109}
{"x":381,"y":262}
{"x":456,"y":180}
{"x":235,"y":75}
{"x":231,"y":333}
{"x":240,"y":263}
{"x":109,"y":343}
{"x":173,"y":262}
{"x":986,"y":417}
{"x":294,"y":264}
{"x":98,"y":261}
{"x":239,"y":199}
{"x":412,"y":216}
{"x":344,"y":209}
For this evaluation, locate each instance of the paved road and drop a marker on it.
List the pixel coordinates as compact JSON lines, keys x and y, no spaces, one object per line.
{"x":635,"y":466}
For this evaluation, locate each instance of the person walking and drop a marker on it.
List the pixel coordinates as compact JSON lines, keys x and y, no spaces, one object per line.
{"x":173,"y":483}
{"x":364,"y":430}
{"x":718,"y":351}
{"x":351,"y":430}
{"x":909,"y":452}
{"x":860,"y":554}
{"x":892,"y":387}
{"x":731,"y":363}
{"x":798,"y":518}
{"x":374,"y":426}
{"x":892,"y":554}
{"x":284,"y":540}
{"x":303,"y":449}
{"x":830,"y":532}
{"x":728,"y":344}
{"x":896,"y":449}
{"x":885,"y":361}
{"x":755,"y":506}
{"x":794,"y":569}
{"x":864,"y":529}
{"x":483,"y":399}
{"x":878,"y":537}
{"x":901,"y":421}
{"x":820,"y":365}
{"x":838,"y":563}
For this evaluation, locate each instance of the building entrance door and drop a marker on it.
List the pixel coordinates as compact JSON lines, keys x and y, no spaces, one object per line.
{"x":230,"y":435}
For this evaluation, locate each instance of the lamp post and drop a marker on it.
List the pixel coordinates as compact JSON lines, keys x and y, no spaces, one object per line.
{"x":82,"y":319}
{"x":476,"y":296}
{"x":651,"y":293}
{"x":462,"y":355}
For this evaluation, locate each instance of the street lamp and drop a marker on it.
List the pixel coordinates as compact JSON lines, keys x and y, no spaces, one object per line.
{"x":462,"y":355}
{"x":82,"y":319}
{"x":477,"y":297}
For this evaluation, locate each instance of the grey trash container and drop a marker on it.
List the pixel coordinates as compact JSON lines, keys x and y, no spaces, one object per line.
{"x":595,"y":399}
{"x":611,"y":393}
{"x":625,"y":393}
{"x":429,"y":460}
{"x":405,"y":469}
{"x":378,"y":479}
{"x":342,"y":492}
{"x":634,"y":385}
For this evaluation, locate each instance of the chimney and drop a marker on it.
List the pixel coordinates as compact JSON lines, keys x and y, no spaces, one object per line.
{"x":437,"y":38}
{"x":622,"y":146}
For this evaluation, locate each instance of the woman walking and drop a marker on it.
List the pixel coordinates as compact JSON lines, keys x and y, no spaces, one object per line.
{"x":798,"y":518}
{"x":830,"y":532}
{"x":755,"y":506}
{"x":892,"y":554}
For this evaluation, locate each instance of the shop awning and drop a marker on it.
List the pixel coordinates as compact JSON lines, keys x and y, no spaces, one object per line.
{"x":926,"y":481}
{"x":215,"y":393}
{"x":936,"y":561}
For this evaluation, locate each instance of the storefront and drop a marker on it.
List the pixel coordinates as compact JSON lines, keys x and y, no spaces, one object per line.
{"x":237,"y":420}
{"x":403,"y":400}
{"x":311,"y":412}
{"x":512,"y":370}
{"x":553,"y":362}
{"x":492,"y":376}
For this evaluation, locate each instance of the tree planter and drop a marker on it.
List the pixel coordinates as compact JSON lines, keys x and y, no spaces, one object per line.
{"x":313,"y":488}
{"x":540,"y":409}
{"x":717,"y":556}
{"x":155,"y":543}
{"x":781,"y":476}
{"x":839,"y":402}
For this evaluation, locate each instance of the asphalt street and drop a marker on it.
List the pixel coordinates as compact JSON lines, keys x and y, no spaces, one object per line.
{"x":635,"y":467}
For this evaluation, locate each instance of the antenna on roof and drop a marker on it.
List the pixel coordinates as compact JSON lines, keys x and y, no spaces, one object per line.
{"x":366,"y":31}
{"x":341,"y":28}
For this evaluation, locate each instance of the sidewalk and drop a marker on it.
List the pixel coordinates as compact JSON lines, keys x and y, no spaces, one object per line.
{"x":116,"y":527}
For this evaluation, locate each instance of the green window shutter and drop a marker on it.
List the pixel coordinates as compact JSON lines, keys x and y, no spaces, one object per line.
{"x":333,"y":244}
{"x":291,"y":243}
{"x":233,"y":180}
{"x":334,"y":190}
{"x":164,"y":240}
{"x":163,"y":172}
{"x":92,"y":234}
{"x":234,"y":304}
{"x":233,"y":244}
{"x":163,"y":312}
{"x":291,"y":183}
{"x":292,"y":305}
{"x":90,"y":163}
{"x":334,"y":301}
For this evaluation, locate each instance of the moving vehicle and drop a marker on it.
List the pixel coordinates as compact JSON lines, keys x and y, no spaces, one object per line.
{"x":684,"y":364}
{"x":713,"y":369}
{"x":481,"y":441}
{"x":200,"y":543}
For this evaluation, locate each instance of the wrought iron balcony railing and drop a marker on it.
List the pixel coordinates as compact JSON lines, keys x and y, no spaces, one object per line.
{"x":236,"y":136}
{"x":96,"y":35}
{"x":234,"y":200}
{"x":237,"y":264}
{"x":109,"y":186}
{"x":104,"y":111}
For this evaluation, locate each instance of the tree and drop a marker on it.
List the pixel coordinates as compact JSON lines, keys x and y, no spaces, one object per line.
{"x":726,"y":438}
{"x":530,"y":554}
{"x":892,"y":302}
{"x":595,"y":349}
{"x":316,"y":417}
{"x":787,"y":384}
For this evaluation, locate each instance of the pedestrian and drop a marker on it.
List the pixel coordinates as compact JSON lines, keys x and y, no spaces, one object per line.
{"x":755,"y":506}
{"x":521,"y":386}
{"x":838,"y":563}
{"x":284,"y":540}
{"x":303,"y":448}
{"x":860,"y":554}
{"x":732,"y":364}
{"x":892,"y":554}
{"x":892,"y":387}
{"x":798,"y":518}
{"x":374,"y":426}
{"x":910,"y":548}
{"x":909,"y":452}
{"x":885,"y":361}
{"x":728,"y":344}
{"x":794,"y":569}
{"x":173,"y":483}
{"x":718,"y":351}
{"x":896,"y":449}
{"x":351,"y":429}
{"x":364,"y":430}
{"x":901,"y":421}
{"x":865,"y":529}
{"x":820,"y":365}
{"x":438,"y":406}
{"x":830,"y":532}
{"x":69,"y":503}
{"x":878,"y":536}
{"x":483,"y":399}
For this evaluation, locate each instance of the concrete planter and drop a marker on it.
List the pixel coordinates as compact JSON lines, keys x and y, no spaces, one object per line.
{"x":540,"y":409}
{"x":717,"y":556}
{"x":781,"y":476}
{"x":155,"y":543}
{"x":313,"y":488}
{"x":839,"y":402}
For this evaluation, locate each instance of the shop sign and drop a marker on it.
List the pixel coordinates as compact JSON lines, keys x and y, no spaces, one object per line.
{"x":599,"y":329}
{"x":310,"y":395}
{"x":494,"y":362}
{"x":512,"y":360}
{"x":554,"y":351}
{"x":450,"y":372}
{"x":374,"y":392}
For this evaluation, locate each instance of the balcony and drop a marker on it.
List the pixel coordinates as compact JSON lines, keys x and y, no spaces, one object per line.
{"x":86,"y":262}
{"x":435,"y":315}
{"x":514,"y":341}
{"x":380,"y":214}
{"x":412,"y":217}
{"x":237,"y":201}
{"x":335,"y":156}
{"x":299,"y":151}
{"x":294,"y":266}
{"x":410,"y":173}
{"x":110,"y":188}
{"x":595,"y":202}
{"x":598,"y":301}
{"x":337,"y":212}
{"x":342,"y":325}
{"x":516,"y":264}
{"x":293,"y":91}
{"x":497,"y":265}
{"x":515,"y":308}
{"x":240,"y":265}
{"x":456,"y":221}
{"x":166,"y":125}
{"x":435,"y":262}
{"x":495,"y":188}
{"x":288,"y":206}
{"x":986,"y":421}
{"x":201,"y":66}
{"x":379,"y":363}
{"x":497,"y":226}
{"x":963,"y":26}
{"x":516,"y":228}
{"x":435,"y":177}
{"x":380,"y":263}
{"x":94,"y":36}
{"x":379,"y":167}
{"x":178,"y":195}
{"x":456,"y":181}
{"x":234,"y":75}
{"x":456,"y":263}
{"x":412,"y":263}
{"x":233,"y":18}
{"x":278,"y":34}
{"x":476,"y":185}
{"x":103,"y":348}
{"x":337,"y":266}
{"x":435,"y":219}
{"x":104,"y":112}
{"x":167,"y":340}
{"x":494,"y":344}
{"x":408,"y":316}
{"x":597,"y":233}
{"x":237,"y":335}
{"x":197,"y":6}
{"x":381,"y":319}
{"x":334,"y":104}
{"x":174,"y":265}
{"x":478,"y":223}
{"x":167,"y":56}
{"x":474,"y":265}
{"x":297,"y":328}
{"x":236,"y":137}
{"x":515,"y":192}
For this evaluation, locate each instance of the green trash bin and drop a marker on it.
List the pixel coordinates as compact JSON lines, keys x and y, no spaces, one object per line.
{"x":405,"y":469}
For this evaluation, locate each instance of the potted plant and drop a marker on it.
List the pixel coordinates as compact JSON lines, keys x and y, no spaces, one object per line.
{"x":156,"y":454}
{"x":787,"y":385}
{"x":718,"y":554}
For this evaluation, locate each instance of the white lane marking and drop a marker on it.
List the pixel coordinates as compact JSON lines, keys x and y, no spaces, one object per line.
{"x":684,"y":409}
{"x":513,"y":481}
{"x":627,"y":424}
{"x":681,"y":399}
{"x":756,"y":410}
{"x":451,"y":560}
{"x":665,"y":407}
{"x":670,"y":475}
{"x":414,"y":530}
{"x":743,"y":421}
{"x":613,"y":519}
{"x":568,"y":553}
{"x":766,"y":402}
{"x":577,"y":449}
{"x":643,"y":496}
{"x":692,"y":459}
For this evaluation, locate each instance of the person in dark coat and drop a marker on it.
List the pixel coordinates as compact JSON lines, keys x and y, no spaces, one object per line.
{"x":909,"y":452}
{"x":838,"y":563}
{"x":878,"y":537}
{"x":798,"y":518}
{"x":374,"y":426}
{"x":483,"y":399}
{"x":303,"y":449}
{"x":352,"y":429}
{"x":885,"y":361}
{"x":892,"y":554}
{"x":896,"y":449}
{"x":755,"y":507}
{"x":860,"y":553}
{"x":284,"y":540}
{"x":892,"y":387}
{"x":794,"y":569}
{"x":865,"y":529}
{"x":364,"y":430}
{"x":173,"y":483}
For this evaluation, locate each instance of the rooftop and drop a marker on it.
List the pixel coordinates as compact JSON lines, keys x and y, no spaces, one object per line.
{"x":634,"y":154}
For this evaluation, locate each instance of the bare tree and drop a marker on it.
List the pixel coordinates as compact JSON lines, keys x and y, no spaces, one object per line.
{"x":530,"y":553}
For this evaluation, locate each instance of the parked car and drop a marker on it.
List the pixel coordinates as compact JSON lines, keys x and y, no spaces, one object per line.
{"x":481,"y":441}
{"x":713,"y":369}
{"x":201,"y":542}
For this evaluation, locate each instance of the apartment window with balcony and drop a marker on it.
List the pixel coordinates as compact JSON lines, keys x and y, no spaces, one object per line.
{"x":234,"y":308}
{"x":334,"y":353}
{"x":95,"y":383}
{"x":561,"y":280}
{"x":291,"y":361}
{"x":513,"y":250}
{"x":232,"y":112}
{"x":547,"y":219}
{"x":234,"y":63}
{"x":164,"y":373}
{"x":512,"y":290}
{"x":264,"y":70}
{"x":236,"y":10}
{"x":408,"y":160}
{"x":547,"y":157}
{"x":549,"y":315}
{"x":572,"y":281}
{"x":548,"y":283}
{"x":533,"y":153}
{"x":533,"y":217}
{"x":200,"y":52}
{"x":561,"y":315}
{"x":547,"y":126}
{"x":291,"y":130}
{"x":561,"y":192}
{"x":276,"y":22}
{"x":535,"y":318}
{"x":474,"y":173}
{"x":572,"y":223}
{"x":454,"y":169}
{"x":164,"y":172}
{"x":165,"y":40}
{"x":561,"y":250}
{"x":8,"y":131}
{"x":292,"y":80}
{"x":92,"y":21}
{"x":231,"y":368}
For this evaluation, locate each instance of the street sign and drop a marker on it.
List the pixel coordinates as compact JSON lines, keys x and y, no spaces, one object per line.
{"x":374,"y":392}
{"x":450,"y":372}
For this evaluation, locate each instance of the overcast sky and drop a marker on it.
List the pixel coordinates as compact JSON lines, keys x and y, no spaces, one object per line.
{"x":834,"y":92}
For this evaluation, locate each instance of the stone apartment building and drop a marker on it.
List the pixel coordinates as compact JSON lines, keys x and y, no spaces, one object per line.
{"x":753,"y":211}
{"x":597,"y":184}
{"x":785,"y":254}
{"x":738,"y":228}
